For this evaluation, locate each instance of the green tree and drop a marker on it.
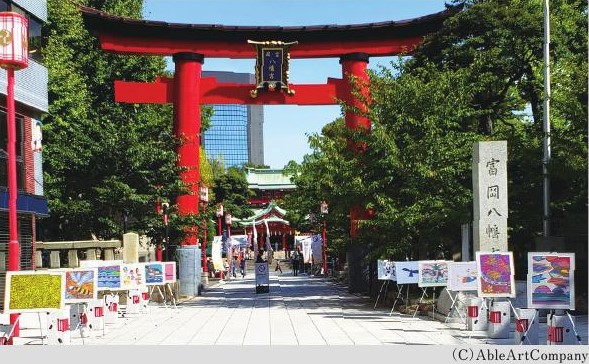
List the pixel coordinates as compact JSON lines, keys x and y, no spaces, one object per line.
{"x":103,"y":161}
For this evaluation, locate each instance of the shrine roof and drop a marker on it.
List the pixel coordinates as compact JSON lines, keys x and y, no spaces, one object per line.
{"x":127,"y":35}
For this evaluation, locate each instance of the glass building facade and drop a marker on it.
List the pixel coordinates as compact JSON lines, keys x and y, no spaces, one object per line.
{"x":236,"y":132}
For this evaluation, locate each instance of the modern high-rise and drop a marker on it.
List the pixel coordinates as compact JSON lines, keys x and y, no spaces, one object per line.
{"x":236,"y":134}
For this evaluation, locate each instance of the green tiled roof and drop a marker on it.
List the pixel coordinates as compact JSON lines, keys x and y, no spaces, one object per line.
{"x":268,"y":179}
{"x":258,"y":213}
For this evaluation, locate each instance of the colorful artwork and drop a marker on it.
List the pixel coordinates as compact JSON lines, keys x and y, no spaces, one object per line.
{"x":432,"y":273}
{"x":407,"y":272}
{"x":169,"y":272}
{"x":551,"y":280}
{"x":386,"y":270}
{"x":462,"y":276}
{"x":132,"y":276}
{"x":109,"y":277}
{"x":154,"y":273}
{"x":81,"y":285}
{"x":496,"y":274}
{"x":34,"y":291}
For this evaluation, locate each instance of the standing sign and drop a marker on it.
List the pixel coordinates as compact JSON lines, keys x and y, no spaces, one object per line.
{"x":407,"y":272}
{"x":551,"y":280}
{"x":496,"y":274}
{"x":386,"y":270}
{"x":462,"y":276}
{"x":262,"y":278}
{"x":34,"y":291}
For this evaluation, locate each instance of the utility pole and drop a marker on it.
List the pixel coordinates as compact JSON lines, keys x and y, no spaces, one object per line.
{"x":546,"y":123}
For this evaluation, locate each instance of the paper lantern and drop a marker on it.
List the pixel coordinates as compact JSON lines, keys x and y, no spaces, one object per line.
{"x":14,"y":35}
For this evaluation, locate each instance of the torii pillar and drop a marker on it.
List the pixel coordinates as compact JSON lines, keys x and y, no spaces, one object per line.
{"x":187,"y":77}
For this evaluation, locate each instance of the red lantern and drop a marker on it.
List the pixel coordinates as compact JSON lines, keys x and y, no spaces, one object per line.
{"x":14,"y":34}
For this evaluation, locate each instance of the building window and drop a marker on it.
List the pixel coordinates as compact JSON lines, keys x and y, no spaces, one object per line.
{"x":20,"y":165}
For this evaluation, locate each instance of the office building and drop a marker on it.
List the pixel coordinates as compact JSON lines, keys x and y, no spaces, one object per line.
{"x":236,"y":134}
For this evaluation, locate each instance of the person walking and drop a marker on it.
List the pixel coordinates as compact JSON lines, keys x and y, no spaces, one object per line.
{"x":295,"y":262}
{"x":242,"y":265}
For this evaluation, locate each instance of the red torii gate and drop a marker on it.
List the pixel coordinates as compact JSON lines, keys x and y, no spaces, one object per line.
{"x":190,"y":44}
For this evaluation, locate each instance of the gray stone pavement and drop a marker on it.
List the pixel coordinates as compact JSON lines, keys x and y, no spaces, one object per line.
{"x":302,"y":310}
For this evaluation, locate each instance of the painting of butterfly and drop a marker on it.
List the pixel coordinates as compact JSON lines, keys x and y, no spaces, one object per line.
{"x":551,"y":280}
{"x":81,"y":285}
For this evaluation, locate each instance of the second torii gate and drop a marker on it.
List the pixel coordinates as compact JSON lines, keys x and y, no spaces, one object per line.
{"x":190,"y":44}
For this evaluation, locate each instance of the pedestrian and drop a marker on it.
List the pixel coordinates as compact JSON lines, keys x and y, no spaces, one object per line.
{"x":242,"y":266}
{"x":278,"y":267}
{"x":295,"y":262}
{"x":234,"y":267}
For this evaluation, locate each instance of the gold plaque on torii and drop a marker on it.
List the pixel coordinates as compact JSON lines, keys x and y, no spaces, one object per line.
{"x":272,"y":61}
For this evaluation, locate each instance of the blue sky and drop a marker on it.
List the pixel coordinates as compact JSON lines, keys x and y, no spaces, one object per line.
{"x":286,"y":127}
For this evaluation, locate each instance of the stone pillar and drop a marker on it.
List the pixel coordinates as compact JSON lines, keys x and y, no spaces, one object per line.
{"x":489,"y":179}
{"x":187,"y":78}
{"x":72,"y":258}
{"x":109,"y":254}
{"x":54,"y":261}
{"x":131,"y":248}
{"x":91,"y":254}
{"x":38,"y":259}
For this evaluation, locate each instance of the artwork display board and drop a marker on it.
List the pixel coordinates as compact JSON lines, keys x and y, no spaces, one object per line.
{"x":386,"y":270}
{"x":169,"y":272}
{"x":462,"y":276}
{"x":407,"y":272}
{"x":132,"y":276}
{"x":154,"y":273}
{"x":109,"y":276}
{"x":432,"y":273}
{"x":496,"y":274}
{"x":551,"y":283}
{"x":97,"y":263}
{"x":81,"y":285}
{"x":34,"y":291}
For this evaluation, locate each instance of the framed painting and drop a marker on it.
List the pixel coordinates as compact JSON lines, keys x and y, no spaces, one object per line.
{"x":432,"y":273}
{"x":34,"y":291}
{"x":462,"y":276}
{"x":109,"y":277}
{"x":154,"y":273}
{"x":132,"y":275}
{"x":169,"y":272}
{"x":551,"y":283}
{"x":386,"y":270}
{"x":496,"y":274}
{"x":81,"y":285}
{"x":406,"y":272}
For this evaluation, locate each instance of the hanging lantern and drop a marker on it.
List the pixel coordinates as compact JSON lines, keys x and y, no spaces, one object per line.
{"x":14,"y":35}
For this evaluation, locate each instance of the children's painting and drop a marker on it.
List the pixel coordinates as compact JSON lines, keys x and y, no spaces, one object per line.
{"x":81,"y":285}
{"x":132,"y":275}
{"x":154,"y":273}
{"x":462,"y":276}
{"x":432,"y":273}
{"x":386,"y":270}
{"x":109,"y":277}
{"x":406,"y":272}
{"x":496,"y":274}
{"x":551,"y":280}
{"x":169,"y":272}
{"x":34,"y":291}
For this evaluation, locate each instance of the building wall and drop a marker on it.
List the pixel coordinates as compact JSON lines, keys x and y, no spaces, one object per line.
{"x":237,"y":131}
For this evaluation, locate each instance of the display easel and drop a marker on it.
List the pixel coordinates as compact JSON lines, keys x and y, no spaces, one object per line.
{"x":481,"y":306}
{"x":385,"y":285}
{"x":83,"y":324}
{"x":399,"y":297}
{"x":454,"y":307}
{"x":570,"y":318}
{"x":424,"y":294}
